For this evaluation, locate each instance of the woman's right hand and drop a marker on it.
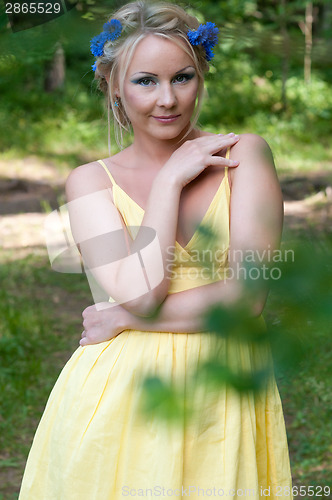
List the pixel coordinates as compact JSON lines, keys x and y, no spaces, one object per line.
{"x":190,"y":159}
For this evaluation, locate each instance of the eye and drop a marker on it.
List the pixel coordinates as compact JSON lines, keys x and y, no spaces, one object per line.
{"x":145,"y":82}
{"x":183,"y":78}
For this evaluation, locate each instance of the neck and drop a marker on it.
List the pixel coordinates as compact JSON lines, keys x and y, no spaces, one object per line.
{"x":153,"y":153}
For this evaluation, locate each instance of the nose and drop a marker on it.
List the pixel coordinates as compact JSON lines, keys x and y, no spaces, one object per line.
{"x":166,"y":96}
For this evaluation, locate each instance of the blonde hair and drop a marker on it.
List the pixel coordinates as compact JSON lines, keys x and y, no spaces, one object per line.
{"x":139,"y":19}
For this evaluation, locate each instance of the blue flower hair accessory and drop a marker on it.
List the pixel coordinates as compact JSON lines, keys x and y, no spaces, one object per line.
{"x":111,"y":31}
{"x":207,"y":36}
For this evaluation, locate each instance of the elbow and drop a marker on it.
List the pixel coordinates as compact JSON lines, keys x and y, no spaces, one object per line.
{"x":146,"y":303}
{"x":144,"y":306}
{"x":257,"y":309}
{"x":254,"y":303}
{"x":136,"y":293}
{"x":257,"y":305}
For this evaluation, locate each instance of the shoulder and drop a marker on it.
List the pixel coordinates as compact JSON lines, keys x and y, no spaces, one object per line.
{"x":91,"y":174}
{"x":82,"y":171}
{"x":251,"y":143}
{"x":85,"y":179}
{"x":253,"y":153}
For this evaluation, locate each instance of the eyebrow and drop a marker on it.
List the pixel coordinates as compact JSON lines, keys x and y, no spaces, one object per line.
{"x":153,"y":74}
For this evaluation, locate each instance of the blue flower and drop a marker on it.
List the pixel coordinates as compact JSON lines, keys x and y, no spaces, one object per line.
{"x":111,"y":31}
{"x":97,"y":45}
{"x":94,"y":66}
{"x":208,"y":53}
{"x":207,"y":36}
{"x":114,"y":28}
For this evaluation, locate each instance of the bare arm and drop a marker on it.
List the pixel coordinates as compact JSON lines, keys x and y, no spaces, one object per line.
{"x":109,"y":253}
{"x":255,"y":227}
{"x":136,"y":273}
{"x":182,"y":312}
{"x":255,"y":232}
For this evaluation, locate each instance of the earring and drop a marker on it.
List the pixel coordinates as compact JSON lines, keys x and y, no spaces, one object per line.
{"x":116,"y":102}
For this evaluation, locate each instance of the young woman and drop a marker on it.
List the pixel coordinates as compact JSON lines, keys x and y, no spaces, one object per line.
{"x":134,"y":217}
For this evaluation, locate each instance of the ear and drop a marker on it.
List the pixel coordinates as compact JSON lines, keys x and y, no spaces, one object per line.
{"x":116,"y":90}
{"x":116,"y":87}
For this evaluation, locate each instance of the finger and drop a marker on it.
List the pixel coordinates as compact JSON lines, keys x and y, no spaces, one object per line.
{"x":83,"y":342}
{"x":207,"y":140}
{"x":212,"y":137}
{"x":222,"y":161}
{"x":228,"y":140}
{"x":221,"y":142}
{"x":83,"y":334}
{"x":88,"y":309}
{"x":85,"y":311}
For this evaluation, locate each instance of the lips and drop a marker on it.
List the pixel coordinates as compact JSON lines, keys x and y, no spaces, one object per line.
{"x":166,"y":117}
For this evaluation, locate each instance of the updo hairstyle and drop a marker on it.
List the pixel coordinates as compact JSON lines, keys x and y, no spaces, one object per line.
{"x":139,"y":19}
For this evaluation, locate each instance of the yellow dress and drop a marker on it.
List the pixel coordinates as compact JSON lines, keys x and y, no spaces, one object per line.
{"x":93,"y":444}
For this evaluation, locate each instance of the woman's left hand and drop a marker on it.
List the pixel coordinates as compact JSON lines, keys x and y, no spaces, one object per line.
{"x":104,"y":323}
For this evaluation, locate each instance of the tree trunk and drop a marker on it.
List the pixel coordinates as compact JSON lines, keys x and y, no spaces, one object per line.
{"x":55,"y":70}
{"x":286,"y":50}
{"x":308,"y":43}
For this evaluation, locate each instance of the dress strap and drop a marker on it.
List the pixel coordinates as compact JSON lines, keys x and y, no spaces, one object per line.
{"x":107,"y":171}
{"x":227,"y":156}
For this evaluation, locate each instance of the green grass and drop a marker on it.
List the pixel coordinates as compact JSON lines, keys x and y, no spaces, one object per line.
{"x":306,"y":393}
{"x":40,"y":327}
{"x":300,"y":307}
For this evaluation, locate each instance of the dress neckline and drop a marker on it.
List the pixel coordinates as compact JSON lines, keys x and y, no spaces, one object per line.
{"x":195,"y":235}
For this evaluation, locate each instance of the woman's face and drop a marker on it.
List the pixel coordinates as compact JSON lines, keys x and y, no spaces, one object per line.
{"x":161,"y":81}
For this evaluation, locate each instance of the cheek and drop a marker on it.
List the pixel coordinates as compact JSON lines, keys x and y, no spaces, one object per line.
{"x":191,"y":97}
{"x":138,"y":101}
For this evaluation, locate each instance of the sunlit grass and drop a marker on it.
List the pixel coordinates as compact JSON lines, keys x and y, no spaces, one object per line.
{"x":37,"y":334}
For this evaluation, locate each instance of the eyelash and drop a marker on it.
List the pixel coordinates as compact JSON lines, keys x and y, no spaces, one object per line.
{"x":149,"y":79}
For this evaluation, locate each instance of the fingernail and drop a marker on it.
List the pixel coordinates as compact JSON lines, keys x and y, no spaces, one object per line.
{"x":231,"y":134}
{"x":235,"y":162}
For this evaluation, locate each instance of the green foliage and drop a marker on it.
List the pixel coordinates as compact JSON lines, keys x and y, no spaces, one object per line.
{"x":163,"y":400}
{"x":303,"y":287}
{"x":243,"y":86}
{"x":298,"y":334}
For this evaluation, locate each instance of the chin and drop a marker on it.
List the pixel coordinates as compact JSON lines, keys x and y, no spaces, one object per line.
{"x":170,"y":132}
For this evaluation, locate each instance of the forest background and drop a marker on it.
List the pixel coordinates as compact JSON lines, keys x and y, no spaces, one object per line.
{"x":271,"y":75}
